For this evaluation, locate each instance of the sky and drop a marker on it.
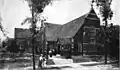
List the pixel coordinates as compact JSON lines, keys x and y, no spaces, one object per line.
{"x":13,"y":12}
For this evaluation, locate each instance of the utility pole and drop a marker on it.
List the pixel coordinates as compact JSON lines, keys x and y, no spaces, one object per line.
{"x":45,"y":43}
{"x":33,"y":39}
{"x":44,"y":40}
{"x":33,"y":52}
{"x":105,"y":44}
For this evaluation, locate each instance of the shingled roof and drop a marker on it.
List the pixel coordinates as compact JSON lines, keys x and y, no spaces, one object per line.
{"x":22,"y":33}
{"x":51,"y":30}
{"x":54,"y":31}
{"x":69,"y":29}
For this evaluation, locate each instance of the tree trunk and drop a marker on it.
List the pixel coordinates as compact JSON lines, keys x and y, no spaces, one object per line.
{"x":105,"y":44}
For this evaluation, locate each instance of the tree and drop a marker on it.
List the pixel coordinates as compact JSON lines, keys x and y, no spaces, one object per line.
{"x":36,"y":7}
{"x":106,"y":14}
{"x":2,"y":28}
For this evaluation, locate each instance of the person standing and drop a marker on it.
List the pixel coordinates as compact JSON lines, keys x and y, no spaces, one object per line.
{"x":40,"y":61}
{"x":50,"y":53}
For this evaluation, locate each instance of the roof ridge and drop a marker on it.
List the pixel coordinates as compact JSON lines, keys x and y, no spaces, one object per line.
{"x":51,"y":23}
{"x":85,"y":15}
{"x":82,"y":23}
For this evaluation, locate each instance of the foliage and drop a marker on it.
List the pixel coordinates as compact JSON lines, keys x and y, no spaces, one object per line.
{"x":36,"y":7}
{"x":13,"y":47}
{"x":106,"y":12}
{"x":2,"y":28}
{"x":38,"y":4}
{"x":104,"y":8}
{"x":28,"y":20}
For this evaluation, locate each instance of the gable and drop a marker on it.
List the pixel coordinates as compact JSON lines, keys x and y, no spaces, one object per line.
{"x":70,"y":29}
{"x":92,"y":15}
{"x":92,"y":19}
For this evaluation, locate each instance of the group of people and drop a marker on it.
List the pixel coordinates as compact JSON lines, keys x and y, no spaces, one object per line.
{"x":43,"y":59}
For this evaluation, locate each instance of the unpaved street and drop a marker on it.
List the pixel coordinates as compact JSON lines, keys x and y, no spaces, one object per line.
{"x":60,"y":64}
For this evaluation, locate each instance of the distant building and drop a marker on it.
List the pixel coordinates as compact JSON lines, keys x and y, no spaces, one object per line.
{"x":23,"y":37}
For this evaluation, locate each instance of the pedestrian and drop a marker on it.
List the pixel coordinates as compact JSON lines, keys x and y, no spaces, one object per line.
{"x":55,"y":51}
{"x":50,"y":53}
{"x":44,"y":61}
{"x":40,"y":61}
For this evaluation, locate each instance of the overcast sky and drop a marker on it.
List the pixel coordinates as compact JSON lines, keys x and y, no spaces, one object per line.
{"x":13,"y":12}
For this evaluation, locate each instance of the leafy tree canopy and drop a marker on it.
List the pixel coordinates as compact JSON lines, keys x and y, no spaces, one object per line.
{"x":104,"y":8}
{"x":36,"y":7}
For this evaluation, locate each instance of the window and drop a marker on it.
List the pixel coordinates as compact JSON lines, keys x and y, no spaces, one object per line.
{"x":90,"y":34}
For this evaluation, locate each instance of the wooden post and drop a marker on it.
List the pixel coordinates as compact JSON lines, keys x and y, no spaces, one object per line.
{"x":44,"y":42}
{"x":33,"y":31}
{"x":105,"y":46}
{"x":33,"y":53}
{"x":82,"y":40}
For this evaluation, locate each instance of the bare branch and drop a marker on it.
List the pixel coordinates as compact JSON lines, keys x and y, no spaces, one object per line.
{"x":27,"y":20}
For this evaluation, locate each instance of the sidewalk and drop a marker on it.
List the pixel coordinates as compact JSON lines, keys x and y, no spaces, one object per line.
{"x":61,"y":62}
{"x":67,"y":64}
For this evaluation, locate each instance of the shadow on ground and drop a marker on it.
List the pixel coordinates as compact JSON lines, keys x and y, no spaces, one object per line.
{"x":54,"y":68}
{"x":114,"y":64}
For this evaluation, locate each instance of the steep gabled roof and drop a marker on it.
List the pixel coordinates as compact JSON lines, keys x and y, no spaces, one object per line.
{"x":22,"y":33}
{"x":70,"y":29}
{"x":51,"y":30}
